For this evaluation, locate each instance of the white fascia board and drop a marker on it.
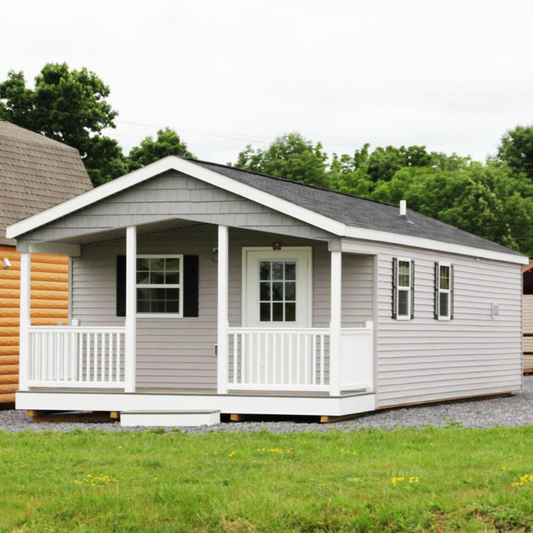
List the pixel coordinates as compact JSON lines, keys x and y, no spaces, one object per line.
{"x":429,"y":244}
{"x":186,"y":167}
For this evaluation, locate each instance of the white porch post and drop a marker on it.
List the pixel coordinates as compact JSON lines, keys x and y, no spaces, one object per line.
{"x":335,"y":325}
{"x":223,"y":321}
{"x":131,"y":309}
{"x":25,"y":321}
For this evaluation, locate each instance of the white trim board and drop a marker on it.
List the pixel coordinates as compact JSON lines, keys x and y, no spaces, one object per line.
{"x":246,"y":191}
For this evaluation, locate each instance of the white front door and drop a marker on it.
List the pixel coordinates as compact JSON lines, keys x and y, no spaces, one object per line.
{"x":277,"y":297}
{"x":277,"y":288}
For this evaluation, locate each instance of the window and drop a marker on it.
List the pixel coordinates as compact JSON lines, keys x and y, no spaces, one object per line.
{"x":159,"y":285}
{"x":443,"y":291}
{"x":277,"y":291}
{"x":403,"y":288}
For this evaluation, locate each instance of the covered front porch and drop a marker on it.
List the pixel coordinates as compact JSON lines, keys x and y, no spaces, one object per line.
{"x":284,"y":358}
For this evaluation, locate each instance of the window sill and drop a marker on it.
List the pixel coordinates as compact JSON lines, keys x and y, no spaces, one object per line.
{"x":403,"y":318}
{"x":444,"y":318}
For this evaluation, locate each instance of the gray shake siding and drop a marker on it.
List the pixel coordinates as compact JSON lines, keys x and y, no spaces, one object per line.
{"x":178,"y":353}
{"x":169,"y":196}
{"x":474,"y":354}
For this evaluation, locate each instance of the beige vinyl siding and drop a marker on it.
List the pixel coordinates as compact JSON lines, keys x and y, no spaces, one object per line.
{"x":527,"y":302}
{"x":178,"y":352}
{"x":427,"y":359}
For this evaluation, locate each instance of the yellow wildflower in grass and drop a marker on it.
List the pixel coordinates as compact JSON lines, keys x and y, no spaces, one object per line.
{"x":526,"y":479}
{"x":119,"y":447}
{"x":231,"y":454}
{"x":290,"y":451}
{"x":412,"y":480}
{"x":96,"y":481}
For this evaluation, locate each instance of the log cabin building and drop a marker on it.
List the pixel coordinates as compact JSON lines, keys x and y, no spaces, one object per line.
{"x":35,"y":173}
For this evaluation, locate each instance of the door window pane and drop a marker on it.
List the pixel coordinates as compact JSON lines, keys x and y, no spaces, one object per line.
{"x":264,"y":270}
{"x":264,"y":312}
{"x":277,"y":291}
{"x":290,"y":312}
{"x":277,"y":270}
{"x":277,"y":312}
{"x":277,"y":285}
{"x":290,"y":270}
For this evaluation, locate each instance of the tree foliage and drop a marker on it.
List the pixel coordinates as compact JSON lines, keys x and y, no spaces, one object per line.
{"x":516,"y":151}
{"x":494,"y":201}
{"x":69,"y":106}
{"x":167,"y":143}
{"x":290,"y":156}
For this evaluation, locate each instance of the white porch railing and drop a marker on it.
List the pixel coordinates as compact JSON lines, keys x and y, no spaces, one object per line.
{"x":278,"y":359}
{"x":298,"y":359}
{"x":73,"y":356}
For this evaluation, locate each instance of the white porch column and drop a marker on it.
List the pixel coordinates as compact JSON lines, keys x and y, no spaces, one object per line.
{"x":131,"y":309}
{"x":335,"y":325}
{"x":25,"y":321}
{"x":223,"y":321}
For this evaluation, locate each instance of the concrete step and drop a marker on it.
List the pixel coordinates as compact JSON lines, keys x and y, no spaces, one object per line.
{"x":169,"y":418}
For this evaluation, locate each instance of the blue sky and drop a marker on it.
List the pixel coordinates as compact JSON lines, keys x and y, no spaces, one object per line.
{"x":453,"y":75}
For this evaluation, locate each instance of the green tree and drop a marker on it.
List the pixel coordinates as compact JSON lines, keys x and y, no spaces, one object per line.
{"x":290,"y":156}
{"x":69,"y":106}
{"x":167,"y":143}
{"x":516,"y":151}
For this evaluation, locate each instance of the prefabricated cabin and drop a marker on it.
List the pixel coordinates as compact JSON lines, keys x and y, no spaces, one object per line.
{"x":197,"y":286}
{"x":35,"y":173}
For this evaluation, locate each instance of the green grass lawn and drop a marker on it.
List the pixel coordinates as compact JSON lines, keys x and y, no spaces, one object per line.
{"x":450,"y":479}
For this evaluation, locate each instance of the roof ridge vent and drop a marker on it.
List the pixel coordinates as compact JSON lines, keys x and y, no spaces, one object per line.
{"x":403,"y":208}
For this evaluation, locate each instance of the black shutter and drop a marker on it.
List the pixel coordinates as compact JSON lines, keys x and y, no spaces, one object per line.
{"x":451,"y":292}
{"x":394,"y":287}
{"x":412,"y":290}
{"x":191,"y":282}
{"x":437,"y":273}
{"x":121,"y":285}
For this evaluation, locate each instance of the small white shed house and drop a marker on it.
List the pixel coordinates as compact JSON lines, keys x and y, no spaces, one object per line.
{"x":203,"y":288}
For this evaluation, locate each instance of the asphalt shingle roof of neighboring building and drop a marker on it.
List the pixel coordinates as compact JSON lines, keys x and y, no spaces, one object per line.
{"x":35,"y":173}
{"x":355,"y":211}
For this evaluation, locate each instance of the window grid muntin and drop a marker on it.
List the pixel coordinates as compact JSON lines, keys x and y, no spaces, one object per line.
{"x":165,"y":306}
{"x":275,"y":276}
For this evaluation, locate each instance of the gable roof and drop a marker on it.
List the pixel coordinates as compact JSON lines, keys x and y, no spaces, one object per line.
{"x":35,"y":173}
{"x":340,"y":214}
{"x":356,"y":211}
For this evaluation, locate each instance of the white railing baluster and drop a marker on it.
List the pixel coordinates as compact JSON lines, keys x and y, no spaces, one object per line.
{"x":244,"y":365}
{"x":235,"y":355}
{"x":313,"y":361}
{"x":102,"y":377}
{"x":95,"y":344}
{"x":322,"y":359}
{"x":258,"y":359}
{"x":267,"y":362}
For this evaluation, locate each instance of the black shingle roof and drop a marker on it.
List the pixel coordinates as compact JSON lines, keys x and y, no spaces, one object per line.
{"x":355,"y":211}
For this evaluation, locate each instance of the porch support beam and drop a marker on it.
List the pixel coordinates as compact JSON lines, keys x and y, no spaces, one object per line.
{"x":25,"y":320}
{"x":72,"y":250}
{"x":223,"y":321}
{"x":335,"y":325}
{"x":131,"y":309}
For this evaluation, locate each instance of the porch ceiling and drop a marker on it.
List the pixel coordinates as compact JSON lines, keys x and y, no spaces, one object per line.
{"x":120,"y":233}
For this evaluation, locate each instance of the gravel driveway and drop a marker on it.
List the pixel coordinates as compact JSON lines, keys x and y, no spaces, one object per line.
{"x":512,"y":411}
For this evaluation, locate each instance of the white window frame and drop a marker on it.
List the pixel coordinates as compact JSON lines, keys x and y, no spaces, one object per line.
{"x":444,"y":291}
{"x":404,"y":289}
{"x":162,"y":285}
